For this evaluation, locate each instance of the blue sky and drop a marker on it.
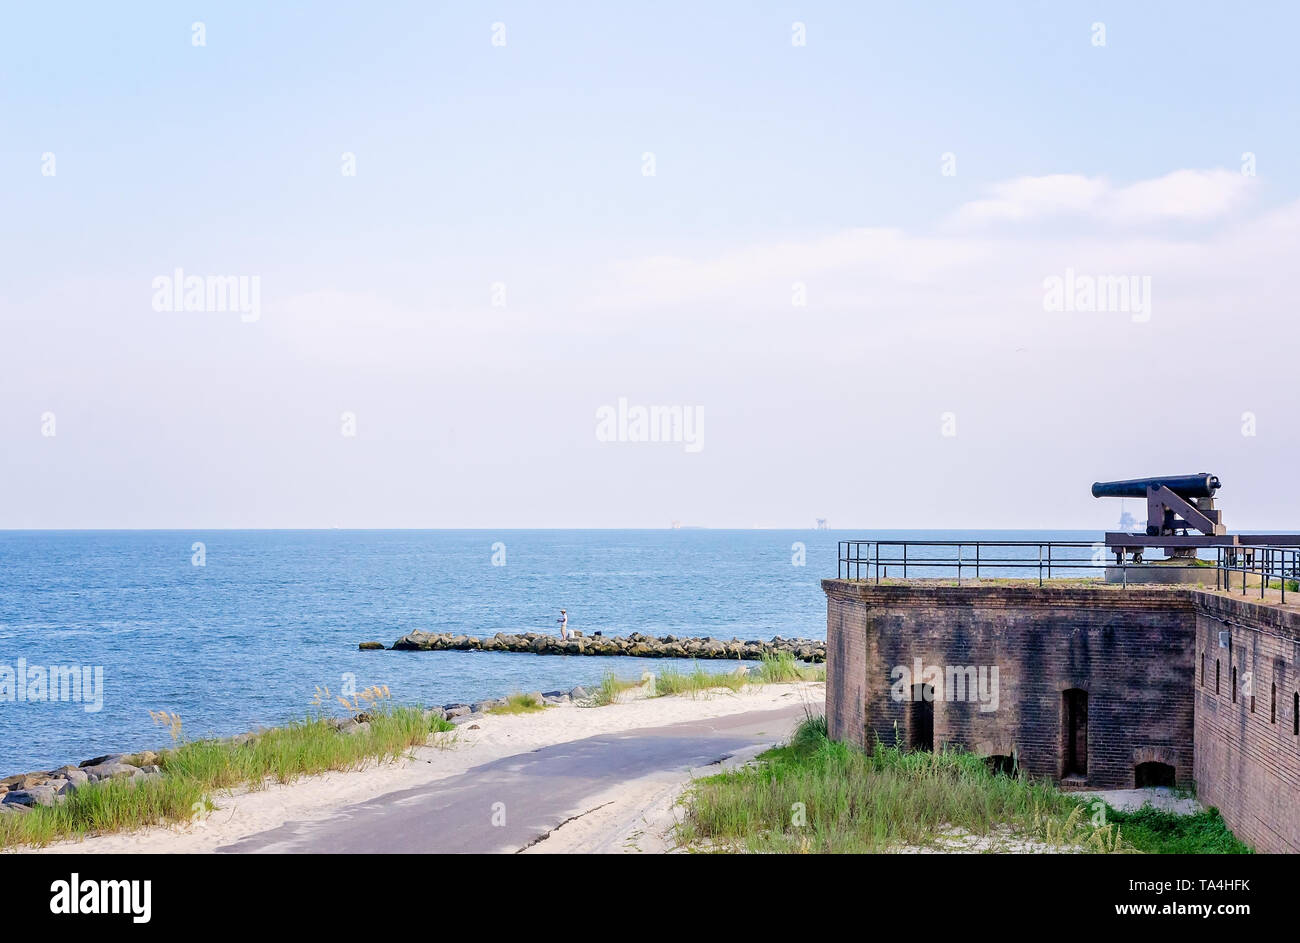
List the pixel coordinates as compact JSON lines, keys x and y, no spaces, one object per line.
{"x":521,"y":164}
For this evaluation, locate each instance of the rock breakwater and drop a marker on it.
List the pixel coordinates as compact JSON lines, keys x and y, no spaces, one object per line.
{"x":635,"y":645}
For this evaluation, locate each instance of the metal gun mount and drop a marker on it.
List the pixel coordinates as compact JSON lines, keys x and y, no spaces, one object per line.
{"x":1176,"y":505}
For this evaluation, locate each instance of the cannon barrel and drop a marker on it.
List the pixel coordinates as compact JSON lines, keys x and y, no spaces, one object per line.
{"x":1202,"y":485}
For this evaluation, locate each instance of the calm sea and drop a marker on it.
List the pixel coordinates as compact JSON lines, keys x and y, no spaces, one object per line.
{"x":243,"y":640}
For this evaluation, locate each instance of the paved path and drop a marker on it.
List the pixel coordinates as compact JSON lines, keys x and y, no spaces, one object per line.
{"x":538,"y":791}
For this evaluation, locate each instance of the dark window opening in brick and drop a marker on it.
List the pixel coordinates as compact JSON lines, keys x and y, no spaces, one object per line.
{"x":1295,"y":714}
{"x":1272,"y":704}
{"x":1153,"y":774}
{"x":1074,"y":732}
{"x":922,"y":719}
{"x":1216,"y":676}
{"x":1001,"y":764}
{"x":1202,"y":669}
{"x":1234,"y":684}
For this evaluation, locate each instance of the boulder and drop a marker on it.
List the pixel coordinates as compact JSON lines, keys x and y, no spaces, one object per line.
{"x":109,"y":770}
{"x":36,"y":795}
{"x":579,"y":693}
{"x":24,"y":781}
{"x":413,"y":641}
{"x":107,"y":757}
{"x":371,"y":646}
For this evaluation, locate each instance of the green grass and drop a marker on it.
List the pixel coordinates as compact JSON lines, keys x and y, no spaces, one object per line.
{"x":774,"y":669}
{"x":194,"y":770}
{"x":1156,"y":832}
{"x":816,"y":795}
{"x":696,"y":681}
{"x":611,"y":689}
{"x":518,"y":704}
{"x":783,"y":668}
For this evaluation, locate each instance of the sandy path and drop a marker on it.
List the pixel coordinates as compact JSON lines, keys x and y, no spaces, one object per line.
{"x":243,"y":814}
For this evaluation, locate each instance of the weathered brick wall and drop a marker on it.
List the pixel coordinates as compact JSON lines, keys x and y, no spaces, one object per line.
{"x":1132,"y":654}
{"x":1137,"y":653}
{"x":1248,"y":762}
{"x":846,"y":670}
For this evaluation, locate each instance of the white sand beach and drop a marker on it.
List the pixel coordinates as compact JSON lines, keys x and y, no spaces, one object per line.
{"x":632,"y":817}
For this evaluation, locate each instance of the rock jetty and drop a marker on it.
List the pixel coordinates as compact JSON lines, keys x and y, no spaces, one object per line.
{"x":19,"y":793}
{"x":635,"y":645}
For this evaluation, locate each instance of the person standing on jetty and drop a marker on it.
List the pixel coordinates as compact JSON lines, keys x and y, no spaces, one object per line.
{"x":564,"y":624}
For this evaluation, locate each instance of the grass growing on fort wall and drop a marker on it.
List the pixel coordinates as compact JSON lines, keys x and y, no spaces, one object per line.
{"x":816,"y":795}
{"x":194,"y":771}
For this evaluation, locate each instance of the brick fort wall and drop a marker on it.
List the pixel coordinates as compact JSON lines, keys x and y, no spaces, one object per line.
{"x":1135,"y":654}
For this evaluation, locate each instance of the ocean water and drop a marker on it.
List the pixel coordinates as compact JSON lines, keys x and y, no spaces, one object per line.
{"x":243,"y":640}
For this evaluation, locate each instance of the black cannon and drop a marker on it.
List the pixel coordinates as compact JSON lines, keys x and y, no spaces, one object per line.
{"x":1175,"y":505}
{"x":1185,"y":486}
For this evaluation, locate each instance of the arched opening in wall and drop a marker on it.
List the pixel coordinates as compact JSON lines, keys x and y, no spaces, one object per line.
{"x":1001,"y":764}
{"x":1234,"y":684}
{"x":1295,"y":714}
{"x":1202,"y":669}
{"x":1074,"y":732}
{"x":1153,"y":774}
{"x":1272,"y":704}
{"x":922,"y":717}
{"x":1216,"y":676}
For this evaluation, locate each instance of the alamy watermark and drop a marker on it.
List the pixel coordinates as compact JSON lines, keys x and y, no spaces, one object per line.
{"x":181,"y":292}
{"x":946,"y":683}
{"x":624,"y":422}
{"x":79,"y":684}
{"x":1125,"y":293}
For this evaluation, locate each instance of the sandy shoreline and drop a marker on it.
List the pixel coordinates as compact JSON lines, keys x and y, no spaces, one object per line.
{"x":629,"y":818}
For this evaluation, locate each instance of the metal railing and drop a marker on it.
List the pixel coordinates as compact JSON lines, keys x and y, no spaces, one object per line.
{"x":873,"y":560}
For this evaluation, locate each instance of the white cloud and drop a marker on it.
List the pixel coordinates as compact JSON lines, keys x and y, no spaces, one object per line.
{"x":1180,"y":196}
{"x":474,"y":415}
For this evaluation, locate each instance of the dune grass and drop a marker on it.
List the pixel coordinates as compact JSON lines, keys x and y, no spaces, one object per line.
{"x":193,"y":771}
{"x":518,"y":704}
{"x":696,"y":681}
{"x":783,"y":668}
{"x":611,"y":689}
{"x":816,"y":795}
